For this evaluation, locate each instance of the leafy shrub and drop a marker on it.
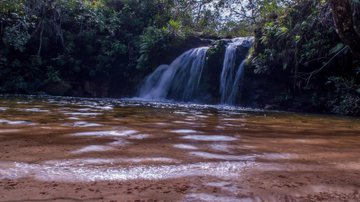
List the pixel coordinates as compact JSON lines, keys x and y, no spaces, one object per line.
{"x":151,"y":42}
{"x":346,"y":98}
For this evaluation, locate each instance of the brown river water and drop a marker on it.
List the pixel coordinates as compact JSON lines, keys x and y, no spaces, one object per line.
{"x":70,"y":149}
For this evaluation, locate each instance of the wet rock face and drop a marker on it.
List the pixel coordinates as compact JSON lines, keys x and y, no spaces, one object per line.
{"x":58,"y":88}
{"x":215,"y":58}
{"x":96,"y":90}
{"x":260,"y":91}
{"x":86,"y":88}
{"x":271,"y":93}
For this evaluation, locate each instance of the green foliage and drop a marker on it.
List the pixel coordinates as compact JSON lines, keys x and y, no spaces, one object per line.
{"x":216,"y":49}
{"x":151,"y":42}
{"x":174,"y":26}
{"x":45,"y":42}
{"x":16,"y":38}
{"x":52,"y":75}
{"x":294,"y":39}
{"x":337,"y":48}
{"x":260,"y":64}
{"x":346,"y":97}
{"x":299,"y":45}
{"x":63,"y":45}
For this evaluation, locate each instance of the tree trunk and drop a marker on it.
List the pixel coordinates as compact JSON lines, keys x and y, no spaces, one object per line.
{"x":355,"y":7}
{"x":345,"y":27}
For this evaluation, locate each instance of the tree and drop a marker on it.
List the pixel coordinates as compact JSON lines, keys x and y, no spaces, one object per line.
{"x":346,"y":18}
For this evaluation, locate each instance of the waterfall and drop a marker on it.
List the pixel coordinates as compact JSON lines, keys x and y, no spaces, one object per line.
{"x":187,"y":79}
{"x":231,"y":73}
{"x":180,"y":80}
{"x":235,"y":87}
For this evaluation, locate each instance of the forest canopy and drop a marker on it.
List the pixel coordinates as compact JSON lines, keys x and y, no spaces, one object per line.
{"x":60,"y":46}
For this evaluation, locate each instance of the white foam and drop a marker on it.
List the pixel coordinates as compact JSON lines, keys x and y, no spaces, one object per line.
{"x":3,"y":108}
{"x":36,"y":110}
{"x":92,"y":148}
{"x":185,"y":146}
{"x":184,"y":131}
{"x":207,"y":155}
{"x":111,"y":133}
{"x":209,"y":138}
{"x":82,"y":124}
{"x":9,"y":122}
{"x":78,"y":173}
{"x":139,"y":136}
{"x":210,"y":197}
{"x":82,"y":114}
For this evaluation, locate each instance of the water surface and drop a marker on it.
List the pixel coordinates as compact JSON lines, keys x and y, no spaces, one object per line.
{"x":185,"y":152}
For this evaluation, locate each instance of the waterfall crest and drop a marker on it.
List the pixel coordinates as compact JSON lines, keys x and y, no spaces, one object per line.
{"x":180,"y":80}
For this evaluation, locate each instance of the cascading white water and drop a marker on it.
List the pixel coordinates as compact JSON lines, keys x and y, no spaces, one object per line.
{"x":231,"y":74}
{"x":235,"y":87}
{"x":180,"y":80}
{"x":185,"y":80}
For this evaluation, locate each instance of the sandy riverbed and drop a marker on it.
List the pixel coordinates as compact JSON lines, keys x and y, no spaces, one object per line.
{"x":107,"y":150}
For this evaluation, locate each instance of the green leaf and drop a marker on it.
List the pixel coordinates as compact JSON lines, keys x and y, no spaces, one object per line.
{"x":297,"y":38}
{"x":285,"y":65}
{"x":337,"y":48}
{"x":357,"y":70}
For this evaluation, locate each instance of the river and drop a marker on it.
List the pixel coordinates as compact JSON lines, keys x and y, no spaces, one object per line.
{"x":70,"y":149}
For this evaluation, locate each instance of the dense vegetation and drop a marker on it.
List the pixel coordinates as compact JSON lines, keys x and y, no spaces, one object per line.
{"x":105,"y":47}
{"x":63,"y":44}
{"x":303,"y":46}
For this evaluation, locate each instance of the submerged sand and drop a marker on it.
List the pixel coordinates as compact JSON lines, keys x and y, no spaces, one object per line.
{"x":66,"y":149}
